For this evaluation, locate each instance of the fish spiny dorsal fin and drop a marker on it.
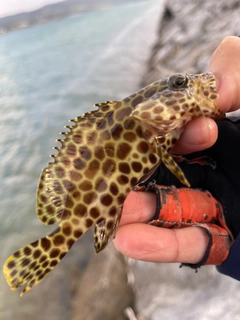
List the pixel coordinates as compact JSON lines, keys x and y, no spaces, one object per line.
{"x":59,"y":181}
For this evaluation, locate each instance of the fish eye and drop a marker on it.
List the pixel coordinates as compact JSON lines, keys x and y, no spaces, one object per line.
{"x":177,"y":81}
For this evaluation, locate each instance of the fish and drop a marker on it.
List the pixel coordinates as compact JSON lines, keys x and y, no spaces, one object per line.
{"x":103,"y":156}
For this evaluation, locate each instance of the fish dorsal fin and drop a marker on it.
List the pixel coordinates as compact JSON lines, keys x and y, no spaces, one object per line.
{"x":60,"y":180}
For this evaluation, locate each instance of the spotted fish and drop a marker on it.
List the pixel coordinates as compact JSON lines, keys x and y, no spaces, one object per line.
{"x":102,"y":157}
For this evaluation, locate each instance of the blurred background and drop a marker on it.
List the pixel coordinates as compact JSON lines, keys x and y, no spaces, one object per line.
{"x":56,"y":61}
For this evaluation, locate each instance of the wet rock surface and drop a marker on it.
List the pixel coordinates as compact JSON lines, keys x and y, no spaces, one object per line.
{"x":104,"y":291}
{"x":189,"y":32}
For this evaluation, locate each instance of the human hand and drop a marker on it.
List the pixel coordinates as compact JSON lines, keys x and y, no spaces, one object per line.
{"x":139,"y":240}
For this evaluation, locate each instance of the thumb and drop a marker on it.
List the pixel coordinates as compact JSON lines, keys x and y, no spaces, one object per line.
{"x":225,"y":64}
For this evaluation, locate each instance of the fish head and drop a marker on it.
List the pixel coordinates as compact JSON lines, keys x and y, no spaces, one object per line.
{"x":181,"y":99}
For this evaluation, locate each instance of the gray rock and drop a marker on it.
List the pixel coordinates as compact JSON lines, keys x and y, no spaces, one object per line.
{"x":103,"y":291}
{"x":189,"y":32}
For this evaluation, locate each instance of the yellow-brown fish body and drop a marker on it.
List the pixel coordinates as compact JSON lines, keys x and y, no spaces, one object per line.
{"x":102,"y":157}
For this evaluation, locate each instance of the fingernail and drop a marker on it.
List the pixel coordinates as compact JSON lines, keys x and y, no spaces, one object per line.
{"x":210,"y":123}
{"x":217,"y":82}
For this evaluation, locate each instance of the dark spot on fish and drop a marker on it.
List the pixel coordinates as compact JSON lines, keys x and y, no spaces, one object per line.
{"x":99,"y":153}
{"x":116,"y":131}
{"x":11,"y":265}
{"x":114,"y":189}
{"x":74,"y":175}
{"x":136,"y":166}
{"x":53,"y":263}
{"x":123,"y":150}
{"x":124,"y":167}
{"x":50,"y":209}
{"x":122,"y":179}
{"x":152,"y":158}
{"x":32,"y":265}
{"x":35,"y":243}
{"x":88,"y":223}
{"x":113,"y":211}
{"x":79,"y":164}
{"x":80,"y":210}
{"x":85,"y":153}
{"x":76,"y":195}
{"x":106,"y":200}
{"x":94,"y":212}
{"x":68,"y":202}
{"x":129,"y":124}
{"x":93,"y":167}
{"x":58,"y":240}
{"x":77,"y":233}
{"x":110,"y":225}
{"x":143,"y":147}
{"x":134,"y":181}
{"x":71,"y":149}
{"x":108,"y":167}
{"x":36,"y":254}
{"x":91,"y":138}
{"x":100,"y":185}
{"x":85,"y":185}
{"x":121,"y":198}
{"x":77,"y":138}
{"x":136,"y":101}
{"x":27,"y":251}
{"x":68,"y":185}
{"x":25,"y":262}
{"x":150,"y":92}
{"x":45,"y":264}
{"x":42,"y":259}
{"x":65,"y":161}
{"x":54,"y":253}
{"x":13,"y":273}
{"x":89,"y":197}
{"x":67,"y":230}
{"x":70,"y":242}
{"x":60,"y":172}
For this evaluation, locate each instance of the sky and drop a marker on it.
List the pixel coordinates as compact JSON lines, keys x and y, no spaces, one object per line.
{"x":9,"y":7}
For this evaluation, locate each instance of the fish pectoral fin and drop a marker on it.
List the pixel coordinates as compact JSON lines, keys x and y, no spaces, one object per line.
{"x":168,"y":161}
{"x":105,"y":230}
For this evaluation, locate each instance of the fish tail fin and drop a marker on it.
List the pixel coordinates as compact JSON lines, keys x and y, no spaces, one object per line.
{"x":30,"y":264}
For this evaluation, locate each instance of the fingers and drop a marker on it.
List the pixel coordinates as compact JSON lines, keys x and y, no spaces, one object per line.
{"x":199,"y":134}
{"x":138,"y":207}
{"x":225,"y":64}
{"x":138,"y":240}
{"x":150,"y":243}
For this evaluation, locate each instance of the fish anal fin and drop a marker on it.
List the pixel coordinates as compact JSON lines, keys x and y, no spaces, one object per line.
{"x":105,"y":230}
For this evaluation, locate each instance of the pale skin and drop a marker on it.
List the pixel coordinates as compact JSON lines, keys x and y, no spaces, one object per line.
{"x":138,"y":240}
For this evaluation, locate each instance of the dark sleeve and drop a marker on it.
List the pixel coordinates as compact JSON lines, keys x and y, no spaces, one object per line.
{"x":231,"y":266}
